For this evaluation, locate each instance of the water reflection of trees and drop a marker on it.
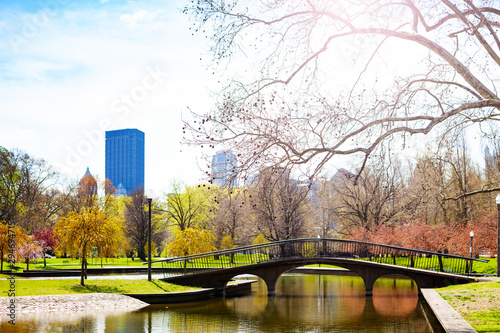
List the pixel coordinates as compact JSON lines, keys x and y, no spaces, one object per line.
{"x":395,"y":297}
{"x":307,"y":303}
{"x":313,"y":303}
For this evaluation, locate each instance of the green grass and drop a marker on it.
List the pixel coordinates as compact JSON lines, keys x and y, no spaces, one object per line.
{"x":69,"y":263}
{"x":240,"y":260}
{"x":322,"y":266}
{"x":25,"y":287}
{"x":485,"y":321}
{"x":485,"y":268}
{"x":478,"y":303}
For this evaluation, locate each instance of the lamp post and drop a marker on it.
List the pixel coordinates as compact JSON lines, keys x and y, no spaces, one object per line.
{"x":471,"y":237}
{"x":498,"y":234}
{"x":149,"y":240}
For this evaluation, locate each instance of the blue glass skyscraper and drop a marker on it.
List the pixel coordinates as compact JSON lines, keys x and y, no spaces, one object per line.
{"x":224,"y":166}
{"x":125,"y":159}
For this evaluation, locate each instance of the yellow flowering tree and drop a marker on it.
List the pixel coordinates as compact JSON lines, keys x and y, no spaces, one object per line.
{"x":190,"y":241}
{"x":13,"y":236}
{"x":81,"y":231}
{"x":226,"y":243}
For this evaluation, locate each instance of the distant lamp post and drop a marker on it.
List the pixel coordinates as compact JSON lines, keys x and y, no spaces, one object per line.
{"x":498,"y":234}
{"x":149,"y":240}
{"x":471,"y":238}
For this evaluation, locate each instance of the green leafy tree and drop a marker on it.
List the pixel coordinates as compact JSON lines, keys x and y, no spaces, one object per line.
{"x":188,"y":206}
{"x":27,"y":196}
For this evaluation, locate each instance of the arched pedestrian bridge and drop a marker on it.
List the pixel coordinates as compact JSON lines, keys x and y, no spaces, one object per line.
{"x":270,"y":260}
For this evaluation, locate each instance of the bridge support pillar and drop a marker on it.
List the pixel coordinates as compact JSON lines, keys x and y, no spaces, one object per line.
{"x":368,"y":286}
{"x":270,"y":281}
{"x":368,"y":290}
{"x":369,"y":277}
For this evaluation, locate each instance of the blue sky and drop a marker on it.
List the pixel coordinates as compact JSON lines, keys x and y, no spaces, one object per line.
{"x":69,"y":70}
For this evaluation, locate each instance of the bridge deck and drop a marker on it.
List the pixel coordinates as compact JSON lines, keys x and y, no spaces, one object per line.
{"x":321,"y":248}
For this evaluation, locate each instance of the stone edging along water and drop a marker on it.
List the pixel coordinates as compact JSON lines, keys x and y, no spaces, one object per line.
{"x":232,"y":290}
{"x":96,"y":301}
{"x":450,"y":320}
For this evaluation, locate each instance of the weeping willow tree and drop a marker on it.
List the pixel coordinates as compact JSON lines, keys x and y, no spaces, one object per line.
{"x":80,"y":232}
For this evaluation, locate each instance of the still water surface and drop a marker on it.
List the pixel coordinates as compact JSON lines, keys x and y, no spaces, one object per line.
{"x":303,"y":303}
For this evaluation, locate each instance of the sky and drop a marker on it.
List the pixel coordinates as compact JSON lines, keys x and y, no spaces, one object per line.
{"x":70,"y":70}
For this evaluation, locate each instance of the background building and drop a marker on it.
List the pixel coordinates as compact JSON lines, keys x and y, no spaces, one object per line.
{"x":224,"y":167}
{"x":125,"y":159}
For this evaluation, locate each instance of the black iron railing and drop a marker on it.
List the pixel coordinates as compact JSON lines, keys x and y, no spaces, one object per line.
{"x":318,"y":248}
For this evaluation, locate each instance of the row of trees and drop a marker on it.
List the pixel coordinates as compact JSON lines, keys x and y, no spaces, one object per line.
{"x":389,"y":198}
{"x":390,"y":201}
{"x":306,"y":82}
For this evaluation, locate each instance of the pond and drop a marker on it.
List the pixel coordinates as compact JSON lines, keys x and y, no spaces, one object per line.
{"x":303,"y":303}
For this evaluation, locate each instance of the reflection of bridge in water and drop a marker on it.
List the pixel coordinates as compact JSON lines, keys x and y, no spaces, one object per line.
{"x":270,"y":260}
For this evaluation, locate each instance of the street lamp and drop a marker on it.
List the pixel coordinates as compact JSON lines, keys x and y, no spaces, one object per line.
{"x":498,"y":234}
{"x":471,"y":237}
{"x":149,"y":240}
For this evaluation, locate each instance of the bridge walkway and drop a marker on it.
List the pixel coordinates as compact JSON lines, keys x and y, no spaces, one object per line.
{"x":368,"y":260}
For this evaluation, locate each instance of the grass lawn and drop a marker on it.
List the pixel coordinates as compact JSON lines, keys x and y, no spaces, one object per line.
{"x":69,"y":263}
{"x":26,"y":287}
{"x":485,"y":268}
{"x":478,"y":303}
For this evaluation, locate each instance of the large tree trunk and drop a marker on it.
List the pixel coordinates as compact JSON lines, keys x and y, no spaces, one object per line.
{"x":84,"y":262}
{"x":141,"y":253}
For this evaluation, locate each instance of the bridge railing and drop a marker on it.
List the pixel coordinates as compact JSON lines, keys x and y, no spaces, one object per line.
{"x":319,"y":248}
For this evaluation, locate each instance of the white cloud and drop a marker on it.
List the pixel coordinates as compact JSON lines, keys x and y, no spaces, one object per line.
{"x":140,"y":16}
{"x":60,"y":86}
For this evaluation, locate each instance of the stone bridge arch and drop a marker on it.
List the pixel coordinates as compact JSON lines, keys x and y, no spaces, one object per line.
{"x":271,"y":271}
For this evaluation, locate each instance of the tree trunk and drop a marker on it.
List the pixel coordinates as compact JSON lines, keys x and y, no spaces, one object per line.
{"x":141,"y":253}
{"x":82,"y":274}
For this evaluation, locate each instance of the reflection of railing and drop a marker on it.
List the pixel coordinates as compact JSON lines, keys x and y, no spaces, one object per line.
{"x":318,"y":248}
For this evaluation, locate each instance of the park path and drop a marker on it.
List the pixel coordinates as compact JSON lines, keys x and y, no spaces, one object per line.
{"x":73,"y":302}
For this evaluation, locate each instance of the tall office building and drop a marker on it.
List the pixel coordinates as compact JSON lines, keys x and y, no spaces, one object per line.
{"x":125,"y":159}
{"x":224,"y":166}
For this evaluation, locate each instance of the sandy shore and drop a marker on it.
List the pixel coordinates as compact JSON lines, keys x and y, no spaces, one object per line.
{"x":76,"y":302}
